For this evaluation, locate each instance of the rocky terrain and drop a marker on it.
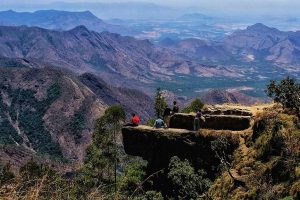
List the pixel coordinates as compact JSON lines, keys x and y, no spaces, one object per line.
{"x":50,"y":113}
{"x":256,"y":152}
{"x":157,"y":146}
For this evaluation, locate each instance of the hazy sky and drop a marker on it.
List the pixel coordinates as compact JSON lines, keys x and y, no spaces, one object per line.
{"x":289,"y":7}
{"x":267,"y":4}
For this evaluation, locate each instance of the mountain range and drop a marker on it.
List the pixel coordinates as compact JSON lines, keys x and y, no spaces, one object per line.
{"x":117,"y":59}
{"x":60,"y":20}
{"x":255,"y":45}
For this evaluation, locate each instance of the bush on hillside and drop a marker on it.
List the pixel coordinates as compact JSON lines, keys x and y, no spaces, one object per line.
{"x":194,"y":106}
{"x":286,"y":92}
{"x":185,"y":182}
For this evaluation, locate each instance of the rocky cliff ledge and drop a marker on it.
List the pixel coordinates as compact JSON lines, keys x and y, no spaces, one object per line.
{"x":157,"y":146}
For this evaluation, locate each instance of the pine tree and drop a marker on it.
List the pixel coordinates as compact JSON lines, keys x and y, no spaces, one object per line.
{"x":102,"y":155}
{"x":160,"y":103}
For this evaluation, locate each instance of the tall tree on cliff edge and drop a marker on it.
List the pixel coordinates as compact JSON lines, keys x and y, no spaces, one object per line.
{"x":115,"y":115}
{"x":102,"y":154}
{"x":160,"y":103}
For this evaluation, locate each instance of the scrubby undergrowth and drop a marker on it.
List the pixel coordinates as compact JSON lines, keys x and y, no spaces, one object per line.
{"x":267,"y":163}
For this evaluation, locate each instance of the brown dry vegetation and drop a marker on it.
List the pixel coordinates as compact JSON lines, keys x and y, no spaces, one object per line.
{"x":266,"y":161}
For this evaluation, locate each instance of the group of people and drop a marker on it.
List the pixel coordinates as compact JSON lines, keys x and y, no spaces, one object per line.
{"x":164,"y":123}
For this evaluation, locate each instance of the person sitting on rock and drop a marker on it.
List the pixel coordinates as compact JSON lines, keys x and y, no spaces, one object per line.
{"x":197,"y":120}
{"x":134,"y":120}
{"x":159,"y":123}
{"x":175,"y":107}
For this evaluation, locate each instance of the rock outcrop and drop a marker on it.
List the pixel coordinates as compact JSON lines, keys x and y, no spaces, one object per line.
{"x":157,"y":146}
{"x":235,"y":120}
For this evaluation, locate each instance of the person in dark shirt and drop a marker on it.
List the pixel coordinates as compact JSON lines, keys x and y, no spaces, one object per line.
{"x":197,"y":120}
{"x":175,"y":107}
{"x":167,"y":114}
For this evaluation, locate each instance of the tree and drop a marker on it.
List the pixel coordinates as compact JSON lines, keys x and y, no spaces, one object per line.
{"x":185,"y":182}
{"x":221,"y":147}
{"x":115,"y":115}
{"x":134,"y":173}
{"x":286,"y":92}
{"x":195,"y":105}
{"x":102,"y":154}
{"x":160,"y":103}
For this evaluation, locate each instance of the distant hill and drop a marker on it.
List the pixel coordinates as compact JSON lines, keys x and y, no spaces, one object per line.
{"x":51,"y":113}
{"x":219,"y":96}
{"x":256,"y":44}
{"x":260,"y":42}
{"x":108,"y":9}
{"x":59,"y":20}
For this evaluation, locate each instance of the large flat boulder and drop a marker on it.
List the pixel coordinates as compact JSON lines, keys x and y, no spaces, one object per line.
{"x":215,"y":122}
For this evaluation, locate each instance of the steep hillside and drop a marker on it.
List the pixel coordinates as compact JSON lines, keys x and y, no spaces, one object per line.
{"x":59,"y":20}
{"x":50,"y":113}
{"x":133,"y":101}
{"x":47,"y":112}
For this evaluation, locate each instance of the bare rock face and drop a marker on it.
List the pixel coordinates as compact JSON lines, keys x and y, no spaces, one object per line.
{"x":216,"y":122}
{"x":157,"y":146}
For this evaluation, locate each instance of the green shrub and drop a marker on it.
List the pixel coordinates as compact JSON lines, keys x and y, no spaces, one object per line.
{"x":150,"y":122}
{"x":286,"y":92}
{"x":194,"y":106}
{"x":184,"y":181}
{"x":150,"y":195}
{"x":133,"y":176}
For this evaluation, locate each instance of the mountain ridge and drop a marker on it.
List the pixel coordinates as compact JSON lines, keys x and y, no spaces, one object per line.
{"x":50,"y":113}
{"x":60,"y":20}
{"x":257,"y":43}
